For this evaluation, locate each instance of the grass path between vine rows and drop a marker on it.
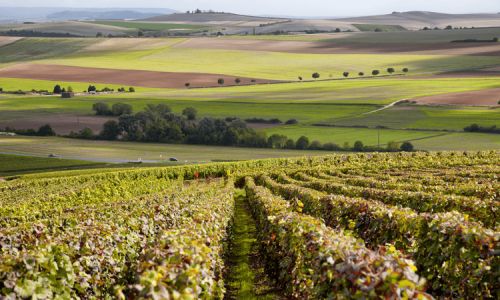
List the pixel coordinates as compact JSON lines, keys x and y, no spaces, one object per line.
{"x":246,"y":278}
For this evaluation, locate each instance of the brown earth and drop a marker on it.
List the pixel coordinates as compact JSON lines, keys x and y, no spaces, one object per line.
{"x":61,"y":123}
{"x":488,"y":97}
{"x":5,"y":40}
{"x":314,"y":47}
{"x":125,"y":77}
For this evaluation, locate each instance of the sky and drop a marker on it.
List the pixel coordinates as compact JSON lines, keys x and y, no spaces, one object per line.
{"x":282,"y":7}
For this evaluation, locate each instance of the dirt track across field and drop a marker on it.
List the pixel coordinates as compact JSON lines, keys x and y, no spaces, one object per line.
{"x":121,"y":77}
{"x":487,"y":49}
{"x":489,"y":97}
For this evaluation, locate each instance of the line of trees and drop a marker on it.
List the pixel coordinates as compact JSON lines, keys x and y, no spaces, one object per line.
{"x":157,"y":123}
{"x":346,"y":74}
{"x":482,"y":129}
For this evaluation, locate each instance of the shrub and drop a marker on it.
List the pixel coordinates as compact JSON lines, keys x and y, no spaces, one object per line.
{"x":316,"y":75}
{"x":300,"y":78}
{"x":361,"y":74}
{"x":390,"y":70}
{"x":302,"y":143}
{"x":131,"y":89}
{"x":346,"y":74}
{"x":375,"y":72}
{"x":101,"y":109}
{"x":316,"y":145}
{"x":91,"y":88}
{"x":190,"y":113}
{"x":292,"y":122}
{"x":187,"y":84}
{"x":331,"y":147}
{"x":119,"y":109}
{"x":46,"y":130}
{"x":221,"y":81}
{"x":406,"y":70}
{"x":407,"y":147}
{"x":392,"y":146}
{"x":237,"y":81}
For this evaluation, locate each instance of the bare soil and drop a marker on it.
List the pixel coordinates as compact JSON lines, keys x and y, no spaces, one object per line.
{"x":122,"y":77}
{"x":474,"y":98}
{"x":61,"y":123}
{"x":5,"y":40}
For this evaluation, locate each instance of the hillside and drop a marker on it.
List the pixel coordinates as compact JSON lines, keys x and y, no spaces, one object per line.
{"x":212,"y":18}
{"x":420,"y":19}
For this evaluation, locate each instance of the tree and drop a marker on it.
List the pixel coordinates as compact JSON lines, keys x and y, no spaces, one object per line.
{"x":187,"y":84}
{"x":375,"y":72}
{"x":70,"y":89}
{"x":101,"y":109}
{"x":331,"y":147}
{"x":392,"y":146}
{"x":110,"y":130}
{"x":98,"y":35}
{"x":46,"y":130}
{"x":190,"y":113}
{"x":390,"y":70}
{"x":361,"y":74}
{"x":131,"y":90}
{"x":316,"y":75}
{"x":221,"y":81}
{"x":346,"y":74}
{"x":91,"y":88}
{"x":300,"y":78}
{"x":406,"y":70}
{"x":290,"y":144}
{"x":358,"y":146}
{"x":119,"y":109}
{"x":237,"y":80}
{"x":140,"y":33}
{"x":495,"y":40}
{"x":407,"y":147}
{"x":277,"y":141}
{"x":86,"y":133}
{"x":316,"y":145}
{"x":302,"y":143}
{"x":57,"y":89}
{"x":449,"y":27}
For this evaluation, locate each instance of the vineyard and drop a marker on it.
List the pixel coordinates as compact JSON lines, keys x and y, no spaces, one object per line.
{"x":362,"y":226}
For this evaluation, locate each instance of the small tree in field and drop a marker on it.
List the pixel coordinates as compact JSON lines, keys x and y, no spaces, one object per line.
{"x":406,"y":70}
{"x":57,"y":89}
{"x":358,"y":146}
{"x":375,"y":72}
{"x":221,"y":81}
{"x":316,"y":75}
{"x":346,"y":74}
{"x":187,"y":84}
{"x":300,"y":78}
{"x":407,"y":147}
{"x":46,"y":130}
{"x":361,"y":74}
{"x":131,"y":90}
{"x":391,"y":70}
{"x":237,"y":80}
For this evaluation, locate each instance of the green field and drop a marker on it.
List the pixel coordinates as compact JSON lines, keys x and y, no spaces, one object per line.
{"x":379,"y":27}
{"x":149,"y":26}
{"x":16,"y":164}
{"x":120,"y":152}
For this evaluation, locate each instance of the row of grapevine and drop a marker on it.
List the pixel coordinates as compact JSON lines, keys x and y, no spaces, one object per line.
{"x":312,"y":261}
{"x":132,"y":248}
{"x":447,"y":247}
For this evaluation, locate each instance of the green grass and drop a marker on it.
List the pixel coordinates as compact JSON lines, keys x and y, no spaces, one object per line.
{"x":149,"y":26}
{"x":379,"y":27}
{"x":340,"y":136}
{"x":30,"y":49}
{"x":416,"y":37}
{"x":460,"y":141}
{"x":15,"y":84}
{"x":273,"y":65}
{"x":119,"y":152}
{"x":427,"y":117}
{"x":15,"y":164}
{"x":246,"y":278}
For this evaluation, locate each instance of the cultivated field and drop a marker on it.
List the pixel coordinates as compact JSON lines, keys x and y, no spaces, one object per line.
{"x":336,"y":226}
